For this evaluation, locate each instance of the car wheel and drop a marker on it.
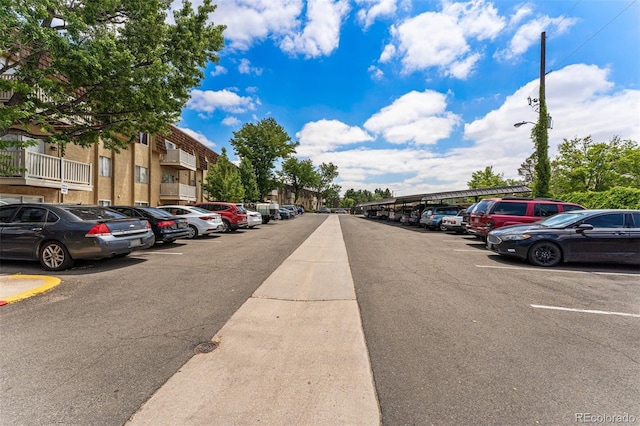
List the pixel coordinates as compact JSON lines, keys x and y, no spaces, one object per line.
{"x":55,"y":257}
{"x":193,"y":232}
{"x":225,"y":226}
{"x":443,"y":228}
{"x":544,"y":253}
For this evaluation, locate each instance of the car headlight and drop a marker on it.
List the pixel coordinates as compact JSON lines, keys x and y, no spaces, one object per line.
{"x":515,"y":237}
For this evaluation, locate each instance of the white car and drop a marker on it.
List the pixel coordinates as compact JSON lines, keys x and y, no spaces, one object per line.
{"x":253,"y":218}
{"x":201,"y":221}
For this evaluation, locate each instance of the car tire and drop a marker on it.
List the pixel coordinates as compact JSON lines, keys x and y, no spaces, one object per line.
{"x":443,"y":228}
{"x":225,"y":226}
{"x":193,"y":232}
{"x":544,"y":253}
{"x":54,"y":256}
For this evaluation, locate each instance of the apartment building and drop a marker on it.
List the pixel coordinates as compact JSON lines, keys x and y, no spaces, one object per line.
{"x":286,"y":195}
{"x":154,"y":170}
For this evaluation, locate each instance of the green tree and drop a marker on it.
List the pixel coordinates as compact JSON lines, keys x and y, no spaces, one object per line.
{"x":100,"y":70}
{"x":347,"y":203}
{"x":331,"y":195}
{"x":299,"y":174}
{"x":327,"y":173}
{"x":585,"y":165}
{"x":528,"y":170}
{"x":542,"y":176}
{"x":386,"y":193}
{"x":487,"y":178}
{"x":263,"y":143}
{"x":249,"y":183}
{"x":223,"y":181}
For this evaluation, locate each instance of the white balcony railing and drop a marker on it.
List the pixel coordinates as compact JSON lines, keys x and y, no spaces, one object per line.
{"x":34,"y":166}
{"x":177,"y":191}
{"x":179,"y":158}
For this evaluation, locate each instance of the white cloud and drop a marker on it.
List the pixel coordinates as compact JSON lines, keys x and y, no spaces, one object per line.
{"x":207,"y":101}
{"x":327,"y":135}
{"x":218,"y":70}
{"x":199,"y":136}
{"x":581,"y":99}
{"x":419,"y":117}
{"x":246,"y":68}
{"x":231,"y":121}
{"x":376,"y":73}
{"x":441,"y":39}
{"x":370,"y":10}
{"x":321,"y":34}
{"x":529,"y":34}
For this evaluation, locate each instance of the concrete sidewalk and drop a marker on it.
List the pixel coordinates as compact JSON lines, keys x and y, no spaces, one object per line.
{"x":293,"y":354}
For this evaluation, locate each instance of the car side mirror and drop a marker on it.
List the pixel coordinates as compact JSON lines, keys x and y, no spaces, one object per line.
{"x":584,"y":227}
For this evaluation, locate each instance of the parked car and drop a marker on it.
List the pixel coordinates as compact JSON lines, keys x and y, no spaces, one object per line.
{"x":494,"y":213}
{"x":166,"y":227}
{"x":432,"y":217}
{"x":201,"y":221}
{"x":254,"y":218}
{"x":453,"y":223}
{"x":415,"y":215}
{"x":293,"y":209}
{"x":324,"y":210}
{"x":396,"y":215}
{"x":233,"y":216}
{"x":268,"y":211}
{"x":285,"y":213}
{"x":59,"y":234}
{"x":341,"y":211}
{"x":575,"y":236}
{"x":466,"y":214}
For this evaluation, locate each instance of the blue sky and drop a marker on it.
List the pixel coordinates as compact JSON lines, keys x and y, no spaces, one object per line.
{"x":415,"y":96}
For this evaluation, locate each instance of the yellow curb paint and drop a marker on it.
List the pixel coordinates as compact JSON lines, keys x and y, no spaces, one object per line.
{"x":49,"y":283}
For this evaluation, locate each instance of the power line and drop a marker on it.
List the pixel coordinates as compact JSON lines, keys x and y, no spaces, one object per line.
{"x":595,"y":34}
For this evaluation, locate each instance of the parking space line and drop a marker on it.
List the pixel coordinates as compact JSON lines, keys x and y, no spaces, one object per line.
{"x":586,"y":311}
{"x":470,"y":250}
{"x":159,"y":252}
{"x":559,"y":270}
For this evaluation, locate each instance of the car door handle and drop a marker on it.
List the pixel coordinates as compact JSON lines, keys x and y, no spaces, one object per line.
{"x":37,"y":229}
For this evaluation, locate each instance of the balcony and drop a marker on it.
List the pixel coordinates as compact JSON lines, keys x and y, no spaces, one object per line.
{"x":34,"y":169}
{"x":178,"y":158}
{"x":177,"y":192}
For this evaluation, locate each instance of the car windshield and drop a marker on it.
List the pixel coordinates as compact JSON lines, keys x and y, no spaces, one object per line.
{"x":95,"y":213}
{"x":241,"y":209}
{"x":200,"y":210}
{"x":158,"y":212}
{"x":564,"y":219}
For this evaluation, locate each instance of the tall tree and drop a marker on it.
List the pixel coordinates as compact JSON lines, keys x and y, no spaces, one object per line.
{"x":331,"y":195}
{"x":487,"y":178}
{"x":585,"y":165}
{"x":528,"y":170}
{"x":249,"y":182}
{"x":299,"y":174}
{"x":100,"y":70}
{"x":263,"y":143}
{"x":327,"y":173}
{"x":223,"y":181}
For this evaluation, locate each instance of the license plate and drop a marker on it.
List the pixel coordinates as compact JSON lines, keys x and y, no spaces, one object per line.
{"x":135,"y":243}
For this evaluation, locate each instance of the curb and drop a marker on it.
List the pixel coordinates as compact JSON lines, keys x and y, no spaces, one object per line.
{"x":48,"y":284}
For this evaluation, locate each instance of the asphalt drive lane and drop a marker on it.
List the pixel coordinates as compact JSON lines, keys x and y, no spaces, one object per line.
{"x":454,"y":343}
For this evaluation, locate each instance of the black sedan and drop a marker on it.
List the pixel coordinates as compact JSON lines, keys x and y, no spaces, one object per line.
{"x":166,"y":227}
{"x":59,"y":234}
{"x":576,"y":236}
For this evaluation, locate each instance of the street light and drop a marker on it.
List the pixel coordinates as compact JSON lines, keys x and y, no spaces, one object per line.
{"x":549,"y":123}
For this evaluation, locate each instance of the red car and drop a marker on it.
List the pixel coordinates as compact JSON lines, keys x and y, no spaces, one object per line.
{"x":494,"y":213}
{"x":233,"y":216}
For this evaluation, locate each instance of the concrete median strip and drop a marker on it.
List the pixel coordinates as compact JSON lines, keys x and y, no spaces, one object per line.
{"x":294,"y":353}
{"x":14,"y":288}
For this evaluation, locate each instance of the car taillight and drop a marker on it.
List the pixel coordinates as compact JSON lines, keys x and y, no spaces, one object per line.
{"x":166,"y":223}
{"x":98,"y":230}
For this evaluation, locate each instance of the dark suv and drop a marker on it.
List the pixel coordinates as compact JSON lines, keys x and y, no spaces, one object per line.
{"x":233,"y":216}
{"x":493,"y":213}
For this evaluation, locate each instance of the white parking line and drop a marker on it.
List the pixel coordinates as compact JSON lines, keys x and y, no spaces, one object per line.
{"x":147,"y":253}
{"x":470,"y":250}
{"x":586,"y":311}
{"x":559,"y":270}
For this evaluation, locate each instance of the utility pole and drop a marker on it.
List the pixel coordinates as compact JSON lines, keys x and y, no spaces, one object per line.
{"x":540,"y":134}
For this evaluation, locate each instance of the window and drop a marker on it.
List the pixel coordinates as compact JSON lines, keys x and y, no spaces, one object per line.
{"x":105,"y":166}
{"x":141,"y":203}
{"x":104,"y":202}
{"x":144,"y":138}
{"x":169,"y":145}
{"x":31,"y":215}
{"x":142,"y":174}
{"x":571,"y":207}
{"x":545,"y":210}
{"x":612,"y":220}
{"x":510,"y":209}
